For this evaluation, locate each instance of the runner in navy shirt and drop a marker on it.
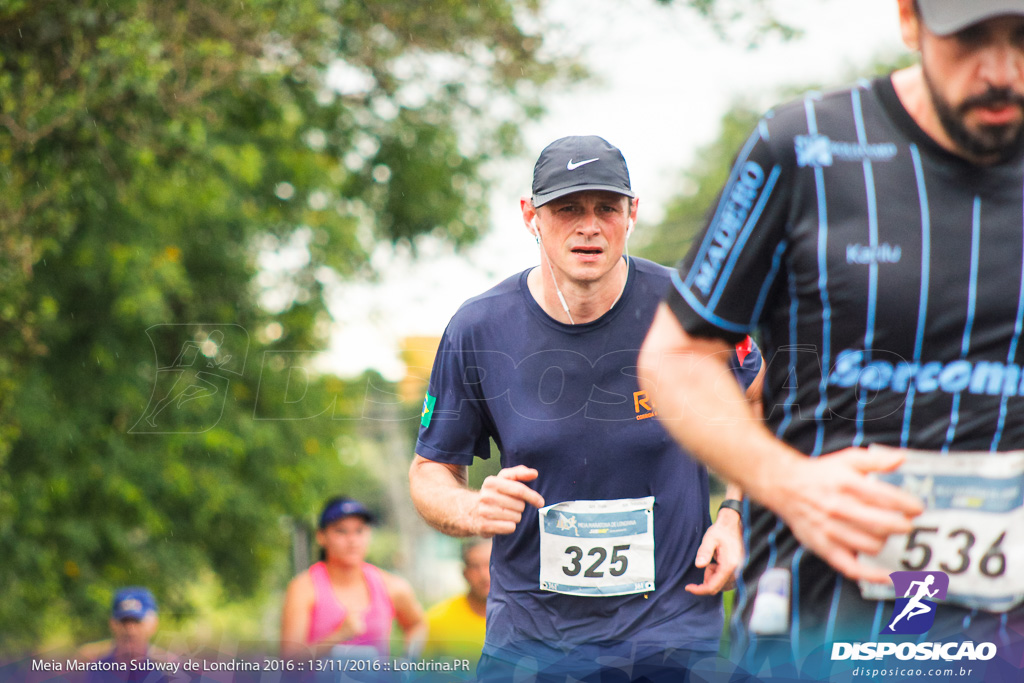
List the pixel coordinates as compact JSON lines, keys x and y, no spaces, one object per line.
{"x":603,"y":543}
{"x":873,"y":237}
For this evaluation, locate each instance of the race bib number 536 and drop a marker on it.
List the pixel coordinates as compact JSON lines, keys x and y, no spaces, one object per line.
{"x":972,"y":527}
{"x":598,"y":547}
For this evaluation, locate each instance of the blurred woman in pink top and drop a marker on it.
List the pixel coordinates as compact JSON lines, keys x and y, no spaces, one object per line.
{"x":344,"y":600}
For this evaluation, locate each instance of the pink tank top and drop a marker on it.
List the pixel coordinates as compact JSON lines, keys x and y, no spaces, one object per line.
{"x":328,"y":612}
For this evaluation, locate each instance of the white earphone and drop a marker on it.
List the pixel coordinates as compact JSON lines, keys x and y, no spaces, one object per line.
{"x":558,"y":291}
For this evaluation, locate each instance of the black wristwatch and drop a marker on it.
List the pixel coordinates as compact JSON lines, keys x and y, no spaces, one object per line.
{"x":732,"y":504}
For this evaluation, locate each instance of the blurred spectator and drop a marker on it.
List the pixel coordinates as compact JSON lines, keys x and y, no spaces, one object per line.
{"x":456,"y":626}
{"x":344,"y":600}
{"x":133,"y":623}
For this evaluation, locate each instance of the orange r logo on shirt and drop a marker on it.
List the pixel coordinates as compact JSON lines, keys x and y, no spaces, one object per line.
{"x":642,"y":401}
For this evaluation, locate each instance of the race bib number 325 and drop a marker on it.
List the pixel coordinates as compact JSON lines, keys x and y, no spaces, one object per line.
{"x":972,"y":527}
{"x":598,"y":547}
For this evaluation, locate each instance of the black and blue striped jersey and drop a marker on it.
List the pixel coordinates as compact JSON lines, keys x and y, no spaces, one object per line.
{"x":884,"y":279}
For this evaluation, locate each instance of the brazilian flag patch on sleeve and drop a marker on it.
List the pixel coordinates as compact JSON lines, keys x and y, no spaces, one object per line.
{"x":428,"y":410}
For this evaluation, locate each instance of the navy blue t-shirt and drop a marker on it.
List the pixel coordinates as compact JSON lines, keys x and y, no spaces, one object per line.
{"x":564,"y":399}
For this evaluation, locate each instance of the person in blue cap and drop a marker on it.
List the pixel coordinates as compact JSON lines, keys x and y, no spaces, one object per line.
{"x":343,"y":600}
{"x":133,"y":623}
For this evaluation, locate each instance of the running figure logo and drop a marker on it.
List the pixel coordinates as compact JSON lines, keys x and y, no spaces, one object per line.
{"x":567,"y":523}
{"x":190,"y":386}
{"x":914,"y":612}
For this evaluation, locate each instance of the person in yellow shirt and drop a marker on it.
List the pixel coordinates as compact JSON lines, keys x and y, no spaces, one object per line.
{"x":456,"y":626}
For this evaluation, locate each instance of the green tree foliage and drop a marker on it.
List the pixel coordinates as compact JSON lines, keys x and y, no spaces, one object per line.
{"x":156,"y":420}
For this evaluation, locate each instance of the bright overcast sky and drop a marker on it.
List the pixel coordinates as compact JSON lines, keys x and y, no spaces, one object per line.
{"x":663,"y":82}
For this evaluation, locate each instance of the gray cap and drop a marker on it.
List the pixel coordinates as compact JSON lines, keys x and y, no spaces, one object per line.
{"x":578,"y":163}
{"x":943,"y":17}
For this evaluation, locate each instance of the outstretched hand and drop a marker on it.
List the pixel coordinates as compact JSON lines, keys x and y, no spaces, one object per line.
{"x":837,"y":511}
{"x":719,"y":554}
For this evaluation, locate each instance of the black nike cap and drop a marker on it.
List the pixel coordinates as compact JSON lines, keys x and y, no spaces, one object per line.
{"x":578,"y":163}
{"x":943,"y":17}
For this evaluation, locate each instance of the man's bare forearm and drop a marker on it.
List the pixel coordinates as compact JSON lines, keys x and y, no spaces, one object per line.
{"x":442,"y":497}
{"x":710,"y":417}
{"x":830,"y":504}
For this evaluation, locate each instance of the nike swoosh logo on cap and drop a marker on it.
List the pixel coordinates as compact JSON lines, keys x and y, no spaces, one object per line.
{"x":572,"y":167}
